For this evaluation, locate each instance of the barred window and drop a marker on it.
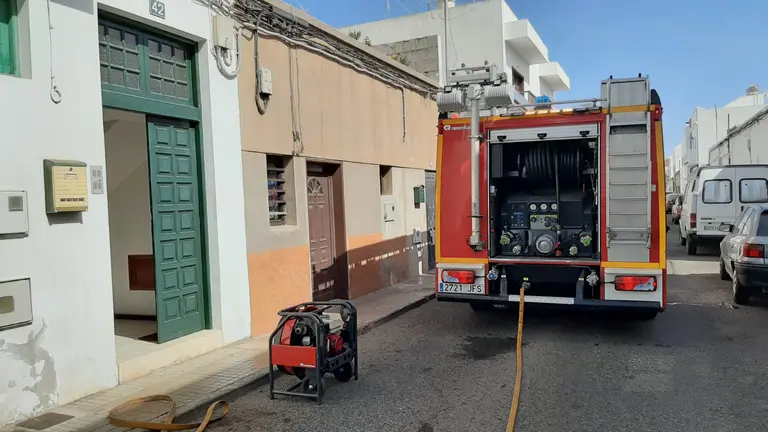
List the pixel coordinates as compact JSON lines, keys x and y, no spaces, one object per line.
{"x":276,"y":189}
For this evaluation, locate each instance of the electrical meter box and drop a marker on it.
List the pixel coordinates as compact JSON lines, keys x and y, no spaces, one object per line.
{"x":66,"y":186}
{"x":418,"y":195}
{"x":15,"y":303}
{"x":388,"y":211}
{"x":264,"y":76}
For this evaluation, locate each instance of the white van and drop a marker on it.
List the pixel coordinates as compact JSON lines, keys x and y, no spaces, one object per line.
{"x":715,"y":197}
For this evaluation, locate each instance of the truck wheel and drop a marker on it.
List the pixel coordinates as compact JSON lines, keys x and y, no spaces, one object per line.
{"x":682,"y":239}
{"x":691,"y":246}
{"x":740,"y":293}
{"x":723,"y":272}
{"x":481,"y":306}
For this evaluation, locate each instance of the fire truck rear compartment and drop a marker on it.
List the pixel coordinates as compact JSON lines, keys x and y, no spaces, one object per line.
{"x":543,"y":200}
{"x":546,"y":281}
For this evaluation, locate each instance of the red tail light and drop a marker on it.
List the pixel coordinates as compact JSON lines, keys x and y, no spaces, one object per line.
{"x":693,"y":220}
{"x":458,"y":276}
{"x":753,"y":250}
{"x":635,"y":283}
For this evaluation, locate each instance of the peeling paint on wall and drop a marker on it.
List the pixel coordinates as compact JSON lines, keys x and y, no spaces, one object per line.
{"x":28,"y":383}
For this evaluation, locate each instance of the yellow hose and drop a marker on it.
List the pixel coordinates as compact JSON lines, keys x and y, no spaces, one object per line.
{"x":518,"y":368}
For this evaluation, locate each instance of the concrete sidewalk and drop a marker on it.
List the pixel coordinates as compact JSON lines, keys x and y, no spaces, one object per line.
{"x":205,"y":378}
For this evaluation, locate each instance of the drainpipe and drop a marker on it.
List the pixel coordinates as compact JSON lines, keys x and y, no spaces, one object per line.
{"x":447,"y":25}
{"x":475,"y":93}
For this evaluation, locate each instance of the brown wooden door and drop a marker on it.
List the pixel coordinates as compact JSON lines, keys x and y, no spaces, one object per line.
{"x":321,"y":235}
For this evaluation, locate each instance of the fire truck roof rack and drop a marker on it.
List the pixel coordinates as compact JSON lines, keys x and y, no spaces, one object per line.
{"x":594,"y":102}
{"x":482,"y":75}
{"x":480,"y":84}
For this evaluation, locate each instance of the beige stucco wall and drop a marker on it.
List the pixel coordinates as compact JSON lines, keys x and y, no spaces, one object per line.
{"x":382,"y":253}
{"x":342,"y":114}
{"x":348,"y":118}
{"x":362,"y":200}
{"x":278,"y":257}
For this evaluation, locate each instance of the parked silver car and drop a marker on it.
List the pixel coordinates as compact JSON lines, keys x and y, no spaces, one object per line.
{"x":742,"y":253}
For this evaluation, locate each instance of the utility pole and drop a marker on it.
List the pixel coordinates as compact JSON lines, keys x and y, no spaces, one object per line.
{"x":445,"y":45}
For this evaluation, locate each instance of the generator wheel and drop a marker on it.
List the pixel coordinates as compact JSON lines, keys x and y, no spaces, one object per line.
{"x":310,"y":387}
{"x":344,"y":373}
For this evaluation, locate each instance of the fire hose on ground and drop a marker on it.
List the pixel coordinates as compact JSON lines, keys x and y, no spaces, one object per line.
{"x":117,"y":415}
{"x":342,"y":361}
{"x":518,"y":367}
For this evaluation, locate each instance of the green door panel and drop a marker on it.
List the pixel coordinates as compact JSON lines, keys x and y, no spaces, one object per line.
{"x":177,"y":239}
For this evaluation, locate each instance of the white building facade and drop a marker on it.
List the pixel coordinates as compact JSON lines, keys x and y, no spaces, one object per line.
{"x":677,"y":164}
{"x":707,"y":127}
{"x":77,"y":274}
{"x":745,"y":144}
{"x":483,"y":31}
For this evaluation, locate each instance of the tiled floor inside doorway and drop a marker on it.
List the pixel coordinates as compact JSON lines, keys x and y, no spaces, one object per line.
{"x":138,"y":352}
{"x":135,"y":329}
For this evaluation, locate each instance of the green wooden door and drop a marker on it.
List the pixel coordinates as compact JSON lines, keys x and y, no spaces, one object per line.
{"x":176,"y":228}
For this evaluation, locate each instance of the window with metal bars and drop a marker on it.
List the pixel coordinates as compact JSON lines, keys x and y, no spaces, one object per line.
{"x":276,"y":190}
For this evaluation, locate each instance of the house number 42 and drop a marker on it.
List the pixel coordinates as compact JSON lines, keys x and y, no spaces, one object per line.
{"x":157,"y":8}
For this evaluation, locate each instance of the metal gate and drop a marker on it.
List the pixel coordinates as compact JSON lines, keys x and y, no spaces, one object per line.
{"x":430,"y":192}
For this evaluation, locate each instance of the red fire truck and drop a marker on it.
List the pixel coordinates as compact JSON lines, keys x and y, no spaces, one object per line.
{"x":562,"y":199}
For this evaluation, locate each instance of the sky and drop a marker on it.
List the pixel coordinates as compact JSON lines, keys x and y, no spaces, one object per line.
{"x":697,"y":53}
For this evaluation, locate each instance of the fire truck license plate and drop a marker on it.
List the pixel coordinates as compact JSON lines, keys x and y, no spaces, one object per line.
{"x":461,"y":288}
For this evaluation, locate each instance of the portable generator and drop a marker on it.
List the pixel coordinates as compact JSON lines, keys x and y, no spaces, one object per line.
{"x":304,"y":345}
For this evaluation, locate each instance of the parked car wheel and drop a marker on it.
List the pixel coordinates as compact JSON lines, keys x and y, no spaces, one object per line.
{"x":723,"y":272}
{"x":690,"y":246}
{"x":740,"y":292}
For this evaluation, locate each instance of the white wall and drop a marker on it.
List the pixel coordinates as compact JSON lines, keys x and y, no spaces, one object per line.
{"x":748,"y":100}
{"x":709,"y":126}
{"x":512,"y":59}
{"x":677,"y":158}
{"x":749,"y":146}
{"x":476,"y":35}
{"x":411,"y":217}
{"x":69,"y":350}
{"x":745,"y":147}
{"x":130,"y":218}
{"x":476,"y":32}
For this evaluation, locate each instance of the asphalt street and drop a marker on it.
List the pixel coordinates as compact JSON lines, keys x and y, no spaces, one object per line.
{"x":699,"y":366}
